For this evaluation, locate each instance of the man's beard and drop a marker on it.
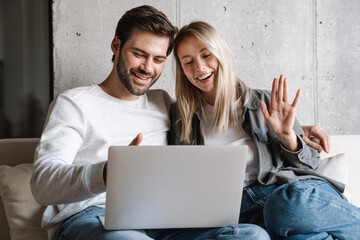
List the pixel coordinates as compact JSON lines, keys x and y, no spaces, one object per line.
{"x":133,"y":87}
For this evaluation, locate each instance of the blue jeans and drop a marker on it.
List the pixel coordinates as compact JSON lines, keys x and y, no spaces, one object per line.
{"x":239,"y":231}
{"x":86,"y":225}
{"x":309,"y":209}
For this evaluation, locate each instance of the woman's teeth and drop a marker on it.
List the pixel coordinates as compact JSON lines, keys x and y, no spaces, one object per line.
{"x":205,"y":77}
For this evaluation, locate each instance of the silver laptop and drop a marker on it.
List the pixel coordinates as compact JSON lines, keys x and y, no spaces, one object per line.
{"x":174,"y":186}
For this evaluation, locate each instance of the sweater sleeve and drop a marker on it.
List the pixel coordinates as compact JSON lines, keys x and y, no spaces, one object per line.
{"x":55,"y":179}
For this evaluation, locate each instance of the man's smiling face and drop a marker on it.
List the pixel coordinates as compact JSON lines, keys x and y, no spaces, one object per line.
{"x":141,"y":61}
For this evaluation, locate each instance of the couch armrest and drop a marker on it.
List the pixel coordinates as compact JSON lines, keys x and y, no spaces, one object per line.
{"x":18,"y":150}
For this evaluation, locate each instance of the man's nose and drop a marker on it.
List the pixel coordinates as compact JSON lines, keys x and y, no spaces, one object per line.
{"x":147,"y":65}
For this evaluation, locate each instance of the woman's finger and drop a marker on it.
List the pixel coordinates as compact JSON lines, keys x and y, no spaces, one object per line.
{"x":285,"y":98}
{"x":297,"y":98}
{"x":280,"y":88}
{"x":264,"y":110}
{"x":273,"y":93}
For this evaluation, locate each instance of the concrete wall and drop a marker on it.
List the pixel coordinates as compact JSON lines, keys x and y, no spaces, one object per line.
{"x":315,"y":43}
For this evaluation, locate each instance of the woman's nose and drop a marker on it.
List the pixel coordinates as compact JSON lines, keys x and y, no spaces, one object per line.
{"x":200,"y":65}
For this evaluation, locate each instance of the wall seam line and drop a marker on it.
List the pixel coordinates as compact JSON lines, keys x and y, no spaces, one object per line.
{"x":316,"y":86}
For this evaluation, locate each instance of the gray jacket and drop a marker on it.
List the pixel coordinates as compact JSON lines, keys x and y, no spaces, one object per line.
{"x":276,"y":164}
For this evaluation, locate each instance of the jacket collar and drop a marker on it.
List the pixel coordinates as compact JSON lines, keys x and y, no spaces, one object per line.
{"x":254,"y":101}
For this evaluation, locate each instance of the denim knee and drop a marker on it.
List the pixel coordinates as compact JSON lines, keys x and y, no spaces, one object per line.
{"x":289,"y":204}
{"x":309,"y":206}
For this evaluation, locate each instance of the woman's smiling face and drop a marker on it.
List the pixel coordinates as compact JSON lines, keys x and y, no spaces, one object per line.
{"x":199,"y":65}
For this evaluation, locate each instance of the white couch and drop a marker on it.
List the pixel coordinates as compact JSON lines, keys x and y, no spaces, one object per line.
{"x":20,"y":215}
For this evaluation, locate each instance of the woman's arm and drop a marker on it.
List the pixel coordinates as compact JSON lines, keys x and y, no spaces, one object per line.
{"x":280,"y":118}
{"x":281,"y":115}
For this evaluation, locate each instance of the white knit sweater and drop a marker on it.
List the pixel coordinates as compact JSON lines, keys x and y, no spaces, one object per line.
{"x":81,"y":125}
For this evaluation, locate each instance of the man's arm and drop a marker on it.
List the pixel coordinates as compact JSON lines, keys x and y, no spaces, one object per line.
{"x":316,"y":138}
{"x":55,"y":179}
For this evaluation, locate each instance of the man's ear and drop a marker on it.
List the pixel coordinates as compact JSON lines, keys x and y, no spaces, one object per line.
{"x":115,"y":46}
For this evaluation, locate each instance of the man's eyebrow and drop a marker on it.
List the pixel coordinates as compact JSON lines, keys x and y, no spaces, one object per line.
{"x":146,"y":53}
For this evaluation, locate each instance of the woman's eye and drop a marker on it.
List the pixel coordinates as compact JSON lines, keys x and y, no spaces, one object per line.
{"x":188,"y":63}
{"x":207,"y":55}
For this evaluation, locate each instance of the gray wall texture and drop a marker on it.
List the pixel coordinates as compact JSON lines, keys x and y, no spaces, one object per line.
{"x":314,"y":43}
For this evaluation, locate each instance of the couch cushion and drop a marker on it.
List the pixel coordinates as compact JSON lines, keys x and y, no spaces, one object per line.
{"x":4,"y":226}
{"x":22,"y":211}
{"x":336,"y":167}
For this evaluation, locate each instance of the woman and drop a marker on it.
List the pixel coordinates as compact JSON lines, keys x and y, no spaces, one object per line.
{"x":285,"y":191}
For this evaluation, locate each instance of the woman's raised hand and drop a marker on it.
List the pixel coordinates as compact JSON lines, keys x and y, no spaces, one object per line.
{"x":281,"y":116}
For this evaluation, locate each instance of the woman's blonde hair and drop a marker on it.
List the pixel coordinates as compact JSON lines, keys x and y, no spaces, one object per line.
{"x":190,"y":98}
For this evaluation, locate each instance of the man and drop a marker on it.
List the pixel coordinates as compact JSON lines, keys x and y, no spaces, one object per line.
{"x":70,"y":161}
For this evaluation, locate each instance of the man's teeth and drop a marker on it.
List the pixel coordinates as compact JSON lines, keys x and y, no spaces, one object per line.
{"x":205,"y":77}
{"x":143,"y":78}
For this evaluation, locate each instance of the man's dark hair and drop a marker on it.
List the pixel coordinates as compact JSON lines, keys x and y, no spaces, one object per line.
{"x":145,"y":18}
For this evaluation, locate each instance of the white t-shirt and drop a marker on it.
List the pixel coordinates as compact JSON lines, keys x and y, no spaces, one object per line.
{"x":235,"y":135}
{"x":81,"y":125}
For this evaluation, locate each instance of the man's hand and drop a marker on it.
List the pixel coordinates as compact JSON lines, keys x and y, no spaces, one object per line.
{"x":135,"y":142}
{"x":316,"y":138}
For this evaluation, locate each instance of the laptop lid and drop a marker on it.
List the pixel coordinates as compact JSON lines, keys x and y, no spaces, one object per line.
{"x":174,"y":186}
